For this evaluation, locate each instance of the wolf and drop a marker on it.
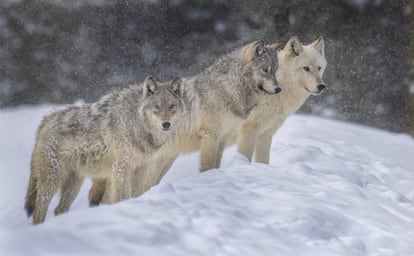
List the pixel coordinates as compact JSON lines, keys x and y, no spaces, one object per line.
{"x":221,"y":98}
{"x":227,"y":92}
{"x":103,"y":140}
{"x":300,"y":72}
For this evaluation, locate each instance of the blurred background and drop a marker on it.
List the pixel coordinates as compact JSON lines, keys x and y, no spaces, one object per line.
{"x":57,"y":51}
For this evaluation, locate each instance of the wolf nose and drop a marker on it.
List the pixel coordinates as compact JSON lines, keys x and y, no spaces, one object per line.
{"x":166,"y":125}
{"x":278,"y":89}
{"x":321,"y":87}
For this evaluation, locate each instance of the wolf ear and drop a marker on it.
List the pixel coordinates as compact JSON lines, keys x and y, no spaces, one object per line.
{"x":177,"y":86}
{"x":319,"y":45}
{"x":254,"y":50}
{"x":259,"y":48}
{"x":293,"y":46}
{"x":149,"y":86}
{"x":273,"y":47}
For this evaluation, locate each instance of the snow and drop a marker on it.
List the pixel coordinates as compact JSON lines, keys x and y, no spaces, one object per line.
{"x":332,"y":188}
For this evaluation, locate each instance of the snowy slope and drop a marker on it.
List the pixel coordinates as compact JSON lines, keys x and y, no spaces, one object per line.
{"x":331,"y":189}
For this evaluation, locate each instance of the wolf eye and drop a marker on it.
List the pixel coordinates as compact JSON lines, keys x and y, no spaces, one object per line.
{"x":267,"y":70}
{"x":157,"y":107}
{"x":307,"y":69}
{"x":172,"y":106}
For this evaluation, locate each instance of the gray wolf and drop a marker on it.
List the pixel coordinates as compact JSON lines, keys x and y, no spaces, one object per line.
{"x":221,"y":98}
{"x":102,"y":140}
{"x":227,"y":92}
{"x":299,"y":73}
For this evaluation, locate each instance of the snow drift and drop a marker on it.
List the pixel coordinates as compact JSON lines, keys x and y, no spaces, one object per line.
{"x":331,"y":189}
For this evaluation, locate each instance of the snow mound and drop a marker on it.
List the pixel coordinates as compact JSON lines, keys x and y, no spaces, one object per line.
{"x":332,"y":188}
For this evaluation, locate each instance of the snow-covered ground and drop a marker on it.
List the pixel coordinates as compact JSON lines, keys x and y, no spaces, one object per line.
{"x":332,"y":188}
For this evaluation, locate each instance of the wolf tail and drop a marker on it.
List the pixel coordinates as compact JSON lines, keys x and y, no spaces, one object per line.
{"x":31,"y":194}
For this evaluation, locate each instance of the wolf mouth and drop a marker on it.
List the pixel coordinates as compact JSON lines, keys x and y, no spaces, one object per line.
{"x":261,"y":88}
{"x":313,"y":93}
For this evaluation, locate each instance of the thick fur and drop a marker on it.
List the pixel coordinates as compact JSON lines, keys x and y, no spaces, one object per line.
{"x":228,"y":91}
{"x":299,"y":74}
{"x":221,"y":98}
{"x":104,"y":140}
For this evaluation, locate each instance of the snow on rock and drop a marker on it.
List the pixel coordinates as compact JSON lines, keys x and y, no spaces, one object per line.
{"x":332,"y":188}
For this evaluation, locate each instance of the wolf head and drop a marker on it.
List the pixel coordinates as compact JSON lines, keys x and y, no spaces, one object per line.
{"x":302,"y":65}
{"x":260,"y":67}
{"x":163,"y":103}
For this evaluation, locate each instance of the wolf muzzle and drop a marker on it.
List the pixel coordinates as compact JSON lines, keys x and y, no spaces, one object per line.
{"x":321,"y":88}
{"x":275,"y":91}
{"x":166,"y":125}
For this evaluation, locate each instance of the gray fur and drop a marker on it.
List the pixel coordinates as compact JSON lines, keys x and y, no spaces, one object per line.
{"x":103,"y":140}
{"x":219,"y":99}
{"x":227,"y":92}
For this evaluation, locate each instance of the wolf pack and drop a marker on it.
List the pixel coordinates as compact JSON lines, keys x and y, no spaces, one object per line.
{"x":127,"y":141}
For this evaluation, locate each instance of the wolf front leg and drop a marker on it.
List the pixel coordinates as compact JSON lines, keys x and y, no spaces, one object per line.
{"x":141,"y":179}
{"x":262,"y":149}
{"x":246,"y":140}
{"x":211,"y":150}
{"x":150,"y":174}
{"x":162,"y":167}
{"x":120,"y":181}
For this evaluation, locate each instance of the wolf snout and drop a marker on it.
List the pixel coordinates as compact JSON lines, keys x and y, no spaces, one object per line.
{"x":278,"y":90}
{"x":316,"y":91}
{"x":269,"y":88}
{"x":166,"y":125}
{"x":321,"y":87}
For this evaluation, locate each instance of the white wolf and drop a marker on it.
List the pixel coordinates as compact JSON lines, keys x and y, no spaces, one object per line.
{"x":299,"y":74}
